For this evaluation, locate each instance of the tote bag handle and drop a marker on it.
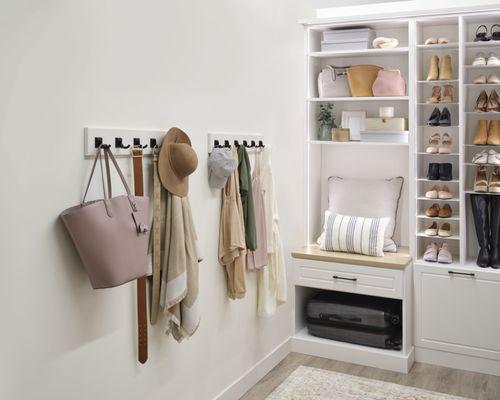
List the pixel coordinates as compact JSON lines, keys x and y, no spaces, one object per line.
{"x":107,"y":194}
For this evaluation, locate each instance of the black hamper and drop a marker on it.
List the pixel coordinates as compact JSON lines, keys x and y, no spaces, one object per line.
{"x":365,"y":320}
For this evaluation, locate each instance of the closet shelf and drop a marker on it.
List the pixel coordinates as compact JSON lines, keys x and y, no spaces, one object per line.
{"x":438,"y":127}
{"x":481,"y":66}
{"x":439,"y":82}
{"x":453,"y":200}
{"x":482,"y":85}
{"x":437,"y":104}
{"x":360,"y":52}
{"x":481,"y":165}
{"x":373,"y":98}
{"x":454,"y":217}
{"x":331,"y":143}
{"x":454,"y":265}
{"x":489,"y":113}
{"x":487,"y":193}
{"x":437,"y":182}
{"x":452,"y":45}
{"x":470,"y":265}
{"x":452,"y":237}
{"x":423,"y":153}
{"x":484,"y":146}
{"x":491,"y":43}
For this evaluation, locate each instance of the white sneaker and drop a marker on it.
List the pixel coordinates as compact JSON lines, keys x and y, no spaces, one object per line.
{"x":480,"y":59}
{"x":480,"y":158}
{"x":493,"y":157}
{"x":433,"y":193}
{"x":493,"y":79}
{"x":492,"y":59}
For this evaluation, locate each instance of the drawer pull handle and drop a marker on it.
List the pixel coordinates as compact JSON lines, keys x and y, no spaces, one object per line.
{"x":345,"y":279}
{"x":471,"y":274}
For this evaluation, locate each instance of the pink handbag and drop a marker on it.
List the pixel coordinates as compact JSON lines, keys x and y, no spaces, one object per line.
{"x":389,"y":82}
{"x":110,"y":234}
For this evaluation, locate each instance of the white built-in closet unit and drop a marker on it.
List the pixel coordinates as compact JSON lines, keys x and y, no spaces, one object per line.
{"x":456,"y":307}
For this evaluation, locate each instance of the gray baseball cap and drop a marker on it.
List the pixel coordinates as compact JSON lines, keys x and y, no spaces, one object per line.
{"x":221,"y":165}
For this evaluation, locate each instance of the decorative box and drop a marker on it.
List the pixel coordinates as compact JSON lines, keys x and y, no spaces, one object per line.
{"x":386,"y":124}
{"x":340,"y":134}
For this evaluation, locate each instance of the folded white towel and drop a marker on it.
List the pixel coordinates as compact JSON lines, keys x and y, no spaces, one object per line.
{"x":384,"y":43}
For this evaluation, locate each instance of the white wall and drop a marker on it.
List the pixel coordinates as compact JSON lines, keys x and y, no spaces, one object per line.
{"x":200,"y":65}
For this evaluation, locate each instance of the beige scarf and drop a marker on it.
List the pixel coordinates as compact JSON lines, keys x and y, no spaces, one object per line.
{"x":179,"y":282}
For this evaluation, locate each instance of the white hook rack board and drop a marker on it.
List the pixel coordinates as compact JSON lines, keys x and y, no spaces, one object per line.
{"x":231,"y":137}
{"x":108,"y":136}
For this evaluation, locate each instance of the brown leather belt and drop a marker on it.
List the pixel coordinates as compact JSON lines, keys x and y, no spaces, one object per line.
{"x":142,"y":310}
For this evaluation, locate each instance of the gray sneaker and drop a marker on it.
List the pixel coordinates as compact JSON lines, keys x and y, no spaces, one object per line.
{"x":444,"y":256}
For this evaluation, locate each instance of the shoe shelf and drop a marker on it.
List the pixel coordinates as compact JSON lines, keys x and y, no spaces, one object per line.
{"x":452,"y":200}
{"x":438,"y":82}
{"x":454,"y":217}
{"x":437,"y":237}
{"x":491,"y":43}
{"x":486,"y":193}
{"x":470,"y":164}
{"x":481,"y":66}
{"x":448,"y":28}
{"x":482,"y":85}
{"x":434,"y":47}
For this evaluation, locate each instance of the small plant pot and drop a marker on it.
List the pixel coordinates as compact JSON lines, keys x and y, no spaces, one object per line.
{"x":325,"y":133}
{"x":340,"y":134}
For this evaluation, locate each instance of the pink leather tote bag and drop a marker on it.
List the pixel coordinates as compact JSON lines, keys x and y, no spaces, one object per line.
{"x":389,"y":83}
{"x":110,"y":234}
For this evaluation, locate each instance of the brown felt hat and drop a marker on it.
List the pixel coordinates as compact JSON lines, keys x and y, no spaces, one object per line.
{"x":176,"y":161}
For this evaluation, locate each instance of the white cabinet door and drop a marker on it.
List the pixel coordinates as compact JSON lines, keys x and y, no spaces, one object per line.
{"x":458,"y":313}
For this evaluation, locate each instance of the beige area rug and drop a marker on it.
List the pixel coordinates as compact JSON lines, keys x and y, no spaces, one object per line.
{"x":306,"y":383}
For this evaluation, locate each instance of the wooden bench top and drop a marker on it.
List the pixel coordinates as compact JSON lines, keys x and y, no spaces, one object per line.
{"x":397,"y":260}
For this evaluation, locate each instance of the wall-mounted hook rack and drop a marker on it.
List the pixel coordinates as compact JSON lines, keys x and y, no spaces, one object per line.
{"x":119,"y":143}
{"x":215,"y":139}
{"x":138,"y":145}
{"x":94,"y":137}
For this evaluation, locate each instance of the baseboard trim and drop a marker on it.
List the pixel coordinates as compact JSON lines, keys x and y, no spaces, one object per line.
{"x":250,"y":378}
{"x":457,"y":361}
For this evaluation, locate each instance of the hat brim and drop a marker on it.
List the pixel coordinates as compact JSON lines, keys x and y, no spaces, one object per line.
{"x":169,"y":179}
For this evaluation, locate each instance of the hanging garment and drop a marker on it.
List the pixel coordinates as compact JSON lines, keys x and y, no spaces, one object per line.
{"x":179,"y":282}
{"x":232,"y":247}
{"x":245,"y":182}
{"x":271,"y":280}
{"x":258,"y":259}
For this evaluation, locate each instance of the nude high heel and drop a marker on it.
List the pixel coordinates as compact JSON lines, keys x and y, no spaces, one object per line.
{"x":481,"y":102}
{"x":493,"y":105}
{"x":493,"y":133}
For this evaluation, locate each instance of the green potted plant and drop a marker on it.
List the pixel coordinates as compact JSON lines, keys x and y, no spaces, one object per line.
{"x":326,"y":122}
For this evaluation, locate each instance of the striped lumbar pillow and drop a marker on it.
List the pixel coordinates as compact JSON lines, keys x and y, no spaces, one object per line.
{"x":353,"y":234}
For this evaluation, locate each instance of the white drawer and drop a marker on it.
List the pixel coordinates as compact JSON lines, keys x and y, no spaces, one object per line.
{"x":457,"y":310}
{"x":350,"y":278}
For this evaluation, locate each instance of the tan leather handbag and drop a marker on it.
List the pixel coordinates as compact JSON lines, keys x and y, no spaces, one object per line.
{"x":361,"y":78}
{"x":110,"y":234}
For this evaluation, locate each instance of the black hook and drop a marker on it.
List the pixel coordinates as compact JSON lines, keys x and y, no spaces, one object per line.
{"x":226,"y":143}
{"x":216,"y":144}
{"x":137,"y":144}
{"x":153,"y":143}
{"x":97,"y":142}
{"x":245,"y":143}
{"x":236,"y":143}
{"x":252,"y":143}
{"x":261,"y":144}
{"x":119,"y":143}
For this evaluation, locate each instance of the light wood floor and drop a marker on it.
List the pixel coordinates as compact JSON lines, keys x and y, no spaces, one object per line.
{"x":424,"y":376}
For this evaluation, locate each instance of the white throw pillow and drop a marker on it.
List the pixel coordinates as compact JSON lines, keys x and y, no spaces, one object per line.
{"x":353,"y":234}
{"x":371,"y":198}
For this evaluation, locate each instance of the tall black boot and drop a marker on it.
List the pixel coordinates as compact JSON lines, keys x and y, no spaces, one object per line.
{"x":480,"y":203}
{"x":495,"y":231}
